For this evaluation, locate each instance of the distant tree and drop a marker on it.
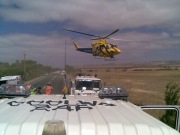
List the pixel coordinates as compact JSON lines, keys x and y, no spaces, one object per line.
{"x":33,"y":69}
{"x":172,"y":94}
{"x":171,"y":98}
{"x":17,"y":61}
{"x":71,"y":69}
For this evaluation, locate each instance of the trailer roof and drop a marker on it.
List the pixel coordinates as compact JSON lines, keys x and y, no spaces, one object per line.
{"x":81,"y":115}
{"x":11,"y":77}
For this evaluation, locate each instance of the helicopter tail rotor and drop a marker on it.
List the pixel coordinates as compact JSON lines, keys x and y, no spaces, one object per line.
{"x":75,"y":43}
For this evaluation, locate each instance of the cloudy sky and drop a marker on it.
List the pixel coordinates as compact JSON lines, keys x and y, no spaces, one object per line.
{"x":35,"y":27}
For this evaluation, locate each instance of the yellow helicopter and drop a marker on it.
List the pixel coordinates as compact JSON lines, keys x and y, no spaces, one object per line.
{"x":100,"y":48}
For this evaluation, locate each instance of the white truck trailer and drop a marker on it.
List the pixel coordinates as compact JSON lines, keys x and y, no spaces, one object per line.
{"x":101,"y":113}
{"x":76,"y":115}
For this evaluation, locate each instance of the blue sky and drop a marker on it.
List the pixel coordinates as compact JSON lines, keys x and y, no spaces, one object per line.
{"x":35,"y":27}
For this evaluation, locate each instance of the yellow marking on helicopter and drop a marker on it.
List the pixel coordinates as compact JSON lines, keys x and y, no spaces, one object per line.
{"x":76,"y":45}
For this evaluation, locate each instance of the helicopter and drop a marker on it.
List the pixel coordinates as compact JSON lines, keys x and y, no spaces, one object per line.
{"x":99,"y":48}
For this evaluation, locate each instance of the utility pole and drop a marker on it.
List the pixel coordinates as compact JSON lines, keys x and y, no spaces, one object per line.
{"x":64,"y":72}
{"x":65,"y":88}
{"x":65,"y":57}
{"x":24,"y":64}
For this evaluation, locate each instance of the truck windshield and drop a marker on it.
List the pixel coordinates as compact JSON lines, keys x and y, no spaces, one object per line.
{"x":3,"y":82}
{"x":88,"y":84}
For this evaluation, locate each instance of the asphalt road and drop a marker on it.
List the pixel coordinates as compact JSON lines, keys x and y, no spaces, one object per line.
{"x":56,"y":80}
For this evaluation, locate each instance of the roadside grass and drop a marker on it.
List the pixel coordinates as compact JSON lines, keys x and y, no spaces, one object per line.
{"x":144,"y":87}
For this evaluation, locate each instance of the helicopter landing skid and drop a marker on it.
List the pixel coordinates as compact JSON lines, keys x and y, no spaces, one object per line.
{"x":106,"y":59}
{"x":111,"y":59}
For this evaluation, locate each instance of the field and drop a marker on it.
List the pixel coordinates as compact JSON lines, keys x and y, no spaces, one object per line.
{"x":145,"y":85}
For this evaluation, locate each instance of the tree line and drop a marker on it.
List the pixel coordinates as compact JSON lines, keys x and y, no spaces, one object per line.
{"x":28,"y":69}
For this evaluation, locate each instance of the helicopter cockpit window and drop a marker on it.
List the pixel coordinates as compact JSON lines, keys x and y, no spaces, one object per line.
{"x":101,"y":46}
{"x":112,"y":45}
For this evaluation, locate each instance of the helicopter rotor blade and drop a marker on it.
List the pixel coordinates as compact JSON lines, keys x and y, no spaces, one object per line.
{"x":82,"y":33}
{"x":98,"y":38}
{"x":119,"y":39}
{"x":111,"y":33}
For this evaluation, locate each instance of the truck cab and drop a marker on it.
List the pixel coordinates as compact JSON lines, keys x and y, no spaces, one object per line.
{"x":86,"y":85}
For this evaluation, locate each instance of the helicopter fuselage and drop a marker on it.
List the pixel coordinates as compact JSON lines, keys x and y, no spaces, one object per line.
{"x":104,"y":49}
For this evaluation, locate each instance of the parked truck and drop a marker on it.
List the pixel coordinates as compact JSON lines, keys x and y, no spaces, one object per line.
{"x":15,"y":79}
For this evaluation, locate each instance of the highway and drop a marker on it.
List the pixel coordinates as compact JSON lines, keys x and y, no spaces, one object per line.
{"x":56,"y":80}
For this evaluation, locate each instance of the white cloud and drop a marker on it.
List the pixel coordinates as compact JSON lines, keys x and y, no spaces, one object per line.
{"x":165,"y":35}
{"x":41,"y":48}
{"x":94,"y":14}
{"x":177,"y":34}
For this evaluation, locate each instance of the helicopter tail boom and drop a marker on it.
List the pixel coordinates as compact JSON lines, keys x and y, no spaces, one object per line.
{"x":86,"y":50}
